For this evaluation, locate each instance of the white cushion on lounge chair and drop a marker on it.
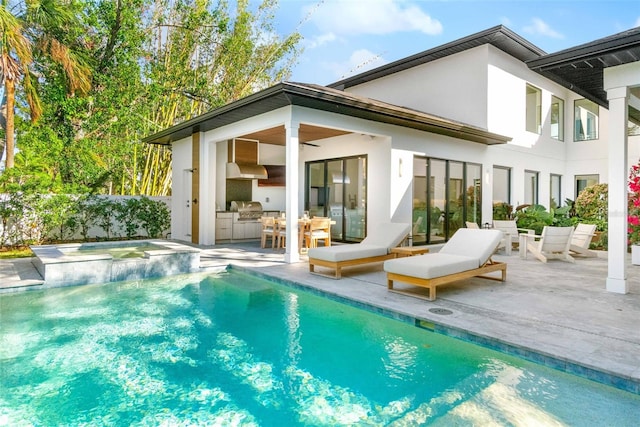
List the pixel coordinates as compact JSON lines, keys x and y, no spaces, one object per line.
{"x":478,"y":244}
{"x":466,"y":254}
{"x":376,"y":247}
{"x":429,"y":266}
{"x":388,"y":235}
{"x":385,"y":237}
{"x":347,"y":252}
{"x":467,"y":249}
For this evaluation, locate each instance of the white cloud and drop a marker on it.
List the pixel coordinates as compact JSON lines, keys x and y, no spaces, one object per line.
{"x":373,"y":17}
{"x":320,"y":40}
{"x":637,"y":24}
{"x":360,"y":61}
{"x":538,"y":26}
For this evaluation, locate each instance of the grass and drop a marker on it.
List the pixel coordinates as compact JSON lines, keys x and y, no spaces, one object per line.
{"x":9,"y":253}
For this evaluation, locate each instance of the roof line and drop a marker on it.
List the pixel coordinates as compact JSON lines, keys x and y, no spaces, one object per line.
{"x":332,"y":100}
{"x":587,"y":50}
{"x":490,"y":35}
{"x":194,"y":122}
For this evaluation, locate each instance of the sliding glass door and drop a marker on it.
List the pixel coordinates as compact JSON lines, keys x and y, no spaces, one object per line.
{"x":337,"y":188}
{"x":445,"y":194}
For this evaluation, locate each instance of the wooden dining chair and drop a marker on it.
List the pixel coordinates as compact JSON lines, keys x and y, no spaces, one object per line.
{"x":268,"y":231}
{"x":319,"y":229}
{"x":281,"y":232}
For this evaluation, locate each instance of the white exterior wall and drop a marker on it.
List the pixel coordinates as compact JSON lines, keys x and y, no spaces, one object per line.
{"x":380,"y":207}
{"x":486,"y":87}
{"x":454,"y":87}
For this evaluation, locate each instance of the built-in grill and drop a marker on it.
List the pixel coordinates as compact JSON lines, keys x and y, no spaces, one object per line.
{"x":246,"y":211}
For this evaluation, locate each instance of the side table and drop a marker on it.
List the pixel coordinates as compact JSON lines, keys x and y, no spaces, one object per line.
{"x":403,"y":251}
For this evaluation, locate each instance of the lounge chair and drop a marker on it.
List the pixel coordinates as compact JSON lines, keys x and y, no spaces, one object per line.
{"x":581,"y":240}
{"x":554,"y":243}
{"x":466,"y":254}
{"x":511,"y":232}
{"x":374,"y":248}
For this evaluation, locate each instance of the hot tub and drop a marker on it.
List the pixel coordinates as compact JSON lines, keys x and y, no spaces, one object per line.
{"x":85,"y":263}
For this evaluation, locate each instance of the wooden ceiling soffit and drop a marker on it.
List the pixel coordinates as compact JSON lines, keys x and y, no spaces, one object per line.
{"x":306,"y":133}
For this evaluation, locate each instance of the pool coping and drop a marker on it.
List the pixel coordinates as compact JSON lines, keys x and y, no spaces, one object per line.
{"x":563,"y":364}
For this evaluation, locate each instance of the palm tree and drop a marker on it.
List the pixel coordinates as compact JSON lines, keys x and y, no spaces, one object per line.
{"x":37,"y":29}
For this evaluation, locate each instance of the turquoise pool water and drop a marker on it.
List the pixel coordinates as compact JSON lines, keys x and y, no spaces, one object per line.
{"x":233,"y":349}
{"x":116,"y":251}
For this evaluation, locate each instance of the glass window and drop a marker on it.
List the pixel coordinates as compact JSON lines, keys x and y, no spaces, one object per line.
{"x":557,"y":118}
{"x":586,"y":120}
{"x":534,"y":109}
{"x":555,"y":192}
{"x":474,"y":193}
{"x":584,"y":181}
{"x":446,"y":193}
{"x":530,"y":188}
{"x":501,"y":185}
{"x":338,"y":188}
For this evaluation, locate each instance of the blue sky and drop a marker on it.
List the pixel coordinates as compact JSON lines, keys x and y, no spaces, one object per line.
{"x":345,"y":37}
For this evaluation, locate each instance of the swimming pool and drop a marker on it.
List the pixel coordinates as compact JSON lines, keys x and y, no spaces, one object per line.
{"x":236,"y":349}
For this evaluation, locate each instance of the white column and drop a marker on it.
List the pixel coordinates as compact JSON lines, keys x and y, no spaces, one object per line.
{"x":617,"y":240}
{"x":292,"y":253}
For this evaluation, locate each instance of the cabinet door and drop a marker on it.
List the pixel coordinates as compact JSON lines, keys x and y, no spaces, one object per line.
{"x":223,"y":229}
{"x":239,"y":230}
{"x":256,"y":229}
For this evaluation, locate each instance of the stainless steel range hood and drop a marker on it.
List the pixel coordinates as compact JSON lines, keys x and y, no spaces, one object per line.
{"x":246,"y":171}
{"x":243,"y":160}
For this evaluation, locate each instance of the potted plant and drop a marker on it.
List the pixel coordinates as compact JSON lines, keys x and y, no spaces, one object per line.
{"x":633,"y":218}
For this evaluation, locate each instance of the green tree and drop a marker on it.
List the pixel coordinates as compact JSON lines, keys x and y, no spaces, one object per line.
{"x":156,"y":63}
{"x":36,"y":35}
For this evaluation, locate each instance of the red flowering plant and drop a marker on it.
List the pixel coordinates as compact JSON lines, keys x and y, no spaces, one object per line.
{"x":633,"y":218}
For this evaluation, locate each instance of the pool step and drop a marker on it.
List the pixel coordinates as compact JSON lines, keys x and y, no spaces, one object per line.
{"x":18,"y":274}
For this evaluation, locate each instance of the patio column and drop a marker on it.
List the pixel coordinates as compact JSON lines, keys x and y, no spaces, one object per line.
{"x":292,"y":179}
{"x":618,"y":168}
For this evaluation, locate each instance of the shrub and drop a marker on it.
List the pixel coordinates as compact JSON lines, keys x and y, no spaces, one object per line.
{"x":591,"y":205}
{"x":154,"y":217}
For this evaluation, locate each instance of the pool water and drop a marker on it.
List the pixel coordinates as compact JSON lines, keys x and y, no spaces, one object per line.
{"x":117,"y":252}
{"x":233,"y":349}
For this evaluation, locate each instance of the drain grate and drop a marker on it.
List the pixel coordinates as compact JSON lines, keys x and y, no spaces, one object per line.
{"x":441,"y":311}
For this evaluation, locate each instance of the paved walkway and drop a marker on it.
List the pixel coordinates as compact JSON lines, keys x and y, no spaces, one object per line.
{"x":557,"y":313}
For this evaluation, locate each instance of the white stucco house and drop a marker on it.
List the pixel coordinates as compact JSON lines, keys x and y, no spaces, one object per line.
{"x":434,"y":139}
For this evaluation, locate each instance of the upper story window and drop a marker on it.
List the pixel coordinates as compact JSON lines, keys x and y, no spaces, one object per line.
{"x":585,"y":120}
{"x":534,"y":109}
{"x":557,"y":118}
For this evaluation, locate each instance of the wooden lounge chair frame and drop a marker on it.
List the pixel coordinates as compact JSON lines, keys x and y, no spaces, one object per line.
{"x":337,"y":266}
{"x":431,"y":284}
{"x":455,"y":261}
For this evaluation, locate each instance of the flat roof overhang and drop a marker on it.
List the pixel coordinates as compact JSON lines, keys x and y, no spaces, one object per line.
{"x":581,"y":68}
{"x":325,"y":99}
